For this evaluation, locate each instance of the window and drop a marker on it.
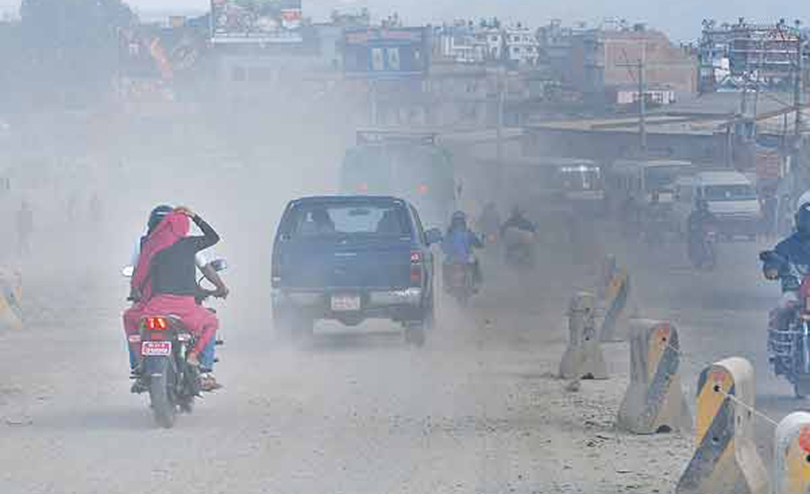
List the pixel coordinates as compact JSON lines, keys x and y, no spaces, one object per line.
{"x":737,"y":192}
{"x":361,"y":218}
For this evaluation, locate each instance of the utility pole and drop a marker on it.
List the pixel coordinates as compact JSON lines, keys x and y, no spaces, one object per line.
{"x":642,"y":101}
{"x":642,"y":107}
{"x":798,"y":87}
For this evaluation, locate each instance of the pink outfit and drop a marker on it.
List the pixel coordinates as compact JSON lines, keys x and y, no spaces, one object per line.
{"x":201,"y":322}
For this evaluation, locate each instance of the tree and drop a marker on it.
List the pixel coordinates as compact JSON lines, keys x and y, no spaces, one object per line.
{"x":73,"y":43}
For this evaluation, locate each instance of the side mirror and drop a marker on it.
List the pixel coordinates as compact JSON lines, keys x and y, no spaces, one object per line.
{"x":128,"y":271}
{"x":433,"y":236}
{"x":219,"y":265}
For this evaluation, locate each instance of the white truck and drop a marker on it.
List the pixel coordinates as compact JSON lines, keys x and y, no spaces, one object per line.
{"x":731,"y":198}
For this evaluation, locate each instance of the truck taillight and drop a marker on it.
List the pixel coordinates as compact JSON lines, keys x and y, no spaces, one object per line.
{"x":416,"y":267}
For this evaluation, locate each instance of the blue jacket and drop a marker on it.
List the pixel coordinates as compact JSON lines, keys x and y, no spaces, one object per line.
{"x":796,"y":250}
{"x":458,"y":245}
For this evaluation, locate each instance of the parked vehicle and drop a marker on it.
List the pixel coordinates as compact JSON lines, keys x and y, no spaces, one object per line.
{"x":353,"y":258}
{"x":789,"y":346}
{"x":165,"y":341}
{"x":731,"y":198}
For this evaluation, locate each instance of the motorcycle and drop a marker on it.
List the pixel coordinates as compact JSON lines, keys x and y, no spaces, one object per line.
{"x":789,"y":344}
{"x":704,"y":254}
{"x":459,"y":282}
{"x":165,"y":374}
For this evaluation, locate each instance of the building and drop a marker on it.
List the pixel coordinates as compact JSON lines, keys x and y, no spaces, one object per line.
{"x":487,"y":41}
{"x":463,"y":43}
{"x":597,"y":61}
{"x":520,"y":45}
{"x":732,"y":56}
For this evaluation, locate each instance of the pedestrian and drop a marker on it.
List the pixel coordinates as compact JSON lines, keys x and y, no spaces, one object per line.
{"x":25,"y":228}
{"x":95,"y":212}
{"x":769,"y":206}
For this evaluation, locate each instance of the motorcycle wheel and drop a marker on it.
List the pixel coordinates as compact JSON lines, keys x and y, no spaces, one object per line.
{"x":162,"y":399}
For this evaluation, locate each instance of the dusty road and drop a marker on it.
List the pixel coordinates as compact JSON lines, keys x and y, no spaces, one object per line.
{"x":477,"y":411}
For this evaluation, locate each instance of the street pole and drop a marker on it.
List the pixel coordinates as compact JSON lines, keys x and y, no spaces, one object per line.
{"x":642,"y":98}
{"x":797,"y":88}
{"x":499,"y":130}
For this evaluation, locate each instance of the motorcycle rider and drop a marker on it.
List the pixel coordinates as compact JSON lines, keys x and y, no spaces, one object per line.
{"x":522,"y":229}
{"x":169,"y":282}
{"x":458,"y":245}
{"x":697,"y":223}
{"x":795,"y":250}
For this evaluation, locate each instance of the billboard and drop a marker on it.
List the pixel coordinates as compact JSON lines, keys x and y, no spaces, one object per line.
{"x":256,"y":21}
{"x":386,"y":52}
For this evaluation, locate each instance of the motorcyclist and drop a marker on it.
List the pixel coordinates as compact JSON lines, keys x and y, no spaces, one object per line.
{"x":132,"y":317}
{"x":518,"y":220}
{"x":458,"y":245}
{"x":697,"y":223}
{"x":795,"y":252}
{"x":518,"y":236}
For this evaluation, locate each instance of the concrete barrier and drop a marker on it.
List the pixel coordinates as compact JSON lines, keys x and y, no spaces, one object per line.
{"x":583,"y":358}
{"x":11,"y":316}
{"x":791,"y":466}
{"x":726,"y":458}
{"x":654,"y":401}
{"x":615,"y":294}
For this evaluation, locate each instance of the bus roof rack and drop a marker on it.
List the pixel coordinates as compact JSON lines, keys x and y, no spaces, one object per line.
{"x":380,"y":136}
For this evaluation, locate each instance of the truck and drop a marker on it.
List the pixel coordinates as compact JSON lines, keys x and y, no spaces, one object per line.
{"x":350,"y":259}
{"x":410,"y":165}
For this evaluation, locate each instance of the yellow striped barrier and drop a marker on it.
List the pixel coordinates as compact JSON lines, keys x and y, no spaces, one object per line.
{"x":583,"y":357}
{"x":615,"y":294}
{"x":654,"y":401}
{"x":791,"y":471}
{"x":726,"y":458}
{"x":11,"y":316}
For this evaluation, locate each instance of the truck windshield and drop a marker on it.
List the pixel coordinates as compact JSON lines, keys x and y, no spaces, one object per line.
{"x":349,"y":219}
{"x":738,"y":192}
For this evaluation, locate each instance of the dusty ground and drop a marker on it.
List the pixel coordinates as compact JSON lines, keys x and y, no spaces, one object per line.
{"x":477,"y":411}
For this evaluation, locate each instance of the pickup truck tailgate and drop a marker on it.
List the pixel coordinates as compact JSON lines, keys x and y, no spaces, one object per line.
{"x":378,"y":262}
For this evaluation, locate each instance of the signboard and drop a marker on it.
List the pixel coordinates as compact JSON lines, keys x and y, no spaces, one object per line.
{"x":386,"y":52}
{"x":256,"y":21}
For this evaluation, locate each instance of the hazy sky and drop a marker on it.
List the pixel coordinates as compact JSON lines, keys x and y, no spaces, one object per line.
{"x":680,"y":18}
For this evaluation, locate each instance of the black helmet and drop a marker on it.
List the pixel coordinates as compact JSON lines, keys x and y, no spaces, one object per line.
{"x":803,"y":220}
{"x":157,"y":215}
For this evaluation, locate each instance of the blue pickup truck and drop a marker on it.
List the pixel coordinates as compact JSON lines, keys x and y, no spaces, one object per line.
{"x":349,"y":259}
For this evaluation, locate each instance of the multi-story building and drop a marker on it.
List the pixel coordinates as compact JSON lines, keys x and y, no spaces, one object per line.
{"x":520,"y":45}
{"x":740,"y":54}
{"x":603,"y":59}
{"x":487,"y":41}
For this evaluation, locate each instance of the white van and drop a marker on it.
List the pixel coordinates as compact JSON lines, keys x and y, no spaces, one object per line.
{"x":731,"y":197}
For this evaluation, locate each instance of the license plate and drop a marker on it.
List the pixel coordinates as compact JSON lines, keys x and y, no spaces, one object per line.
{"x":156,"y":348}
{"x":345,"y":303}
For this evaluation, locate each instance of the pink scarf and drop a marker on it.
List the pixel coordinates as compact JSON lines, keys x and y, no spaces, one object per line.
{"x":168,"y":232}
